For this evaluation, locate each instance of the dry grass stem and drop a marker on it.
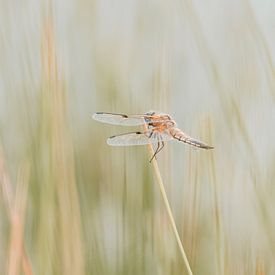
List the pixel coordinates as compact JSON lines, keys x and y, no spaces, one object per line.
{"x":168,"y":209}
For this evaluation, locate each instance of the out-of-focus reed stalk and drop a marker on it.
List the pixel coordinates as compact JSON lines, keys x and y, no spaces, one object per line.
{"x":168,"y":208}
{"x":17,"y":222}
{"x":60,"y":190}
{"x":16,"y":214}
{"x":215,"y":189}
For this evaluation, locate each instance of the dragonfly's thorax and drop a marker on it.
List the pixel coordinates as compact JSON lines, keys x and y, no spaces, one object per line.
{"x":159,"y":120}
{"x":161,"y":123}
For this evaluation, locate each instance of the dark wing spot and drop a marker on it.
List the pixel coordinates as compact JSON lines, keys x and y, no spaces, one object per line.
{"x":103,"y":113}
{"x":208,"y":147}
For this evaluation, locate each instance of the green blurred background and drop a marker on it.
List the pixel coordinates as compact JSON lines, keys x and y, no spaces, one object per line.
{"x":70,"y":204}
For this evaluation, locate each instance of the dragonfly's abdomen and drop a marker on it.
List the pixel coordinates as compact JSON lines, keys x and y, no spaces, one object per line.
{"x":179,"y":135}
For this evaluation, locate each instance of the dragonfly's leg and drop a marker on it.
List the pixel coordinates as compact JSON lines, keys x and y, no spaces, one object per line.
{"x":159,"y":148}
{"x":155,"y":152}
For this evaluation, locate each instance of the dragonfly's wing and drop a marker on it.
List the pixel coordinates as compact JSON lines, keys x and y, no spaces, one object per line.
{"x":119,"y":119}
{"x":138,"y":138}
{"x":179,"y":135}
{"x":127,"y":120}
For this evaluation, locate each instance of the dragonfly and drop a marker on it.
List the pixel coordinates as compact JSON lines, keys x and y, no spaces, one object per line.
{"x":158,"y":128}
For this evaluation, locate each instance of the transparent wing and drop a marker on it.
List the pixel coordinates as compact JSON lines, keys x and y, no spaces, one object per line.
{"x":138,"y":138}
{"x":128,"y":120}
{"x":119,"y":119}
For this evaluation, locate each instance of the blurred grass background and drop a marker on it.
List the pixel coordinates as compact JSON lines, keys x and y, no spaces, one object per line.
{"x":72,"y":205}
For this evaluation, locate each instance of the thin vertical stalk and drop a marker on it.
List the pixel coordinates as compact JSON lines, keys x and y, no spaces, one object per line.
{"x":168,"y":209}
